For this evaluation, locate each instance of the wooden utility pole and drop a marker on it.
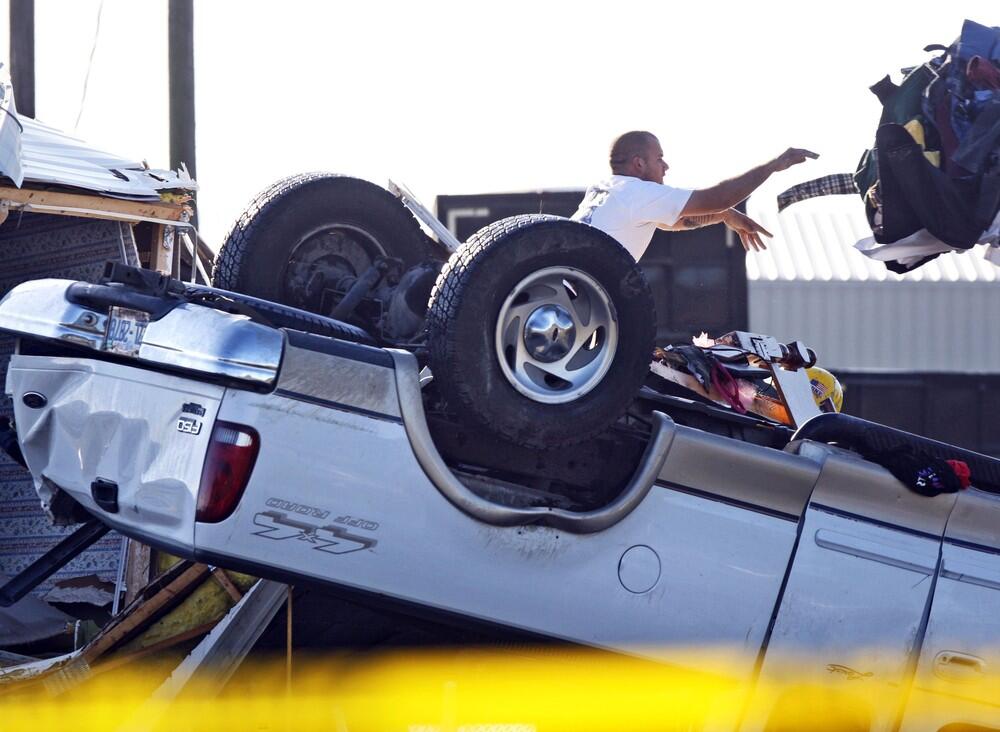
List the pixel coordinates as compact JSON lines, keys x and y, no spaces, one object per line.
{"x":22,"y":55}
{"x":181,"y":62}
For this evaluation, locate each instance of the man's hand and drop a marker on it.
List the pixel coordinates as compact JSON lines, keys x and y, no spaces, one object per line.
{"x":791,"y":156}
{"x":729,"y":193}
{"x":749,"y":230}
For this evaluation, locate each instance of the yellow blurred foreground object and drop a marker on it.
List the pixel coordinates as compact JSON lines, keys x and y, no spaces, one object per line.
{"x":523,"y":690}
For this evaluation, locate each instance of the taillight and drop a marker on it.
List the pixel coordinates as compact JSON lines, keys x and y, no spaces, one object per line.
{"x":232,"y":451}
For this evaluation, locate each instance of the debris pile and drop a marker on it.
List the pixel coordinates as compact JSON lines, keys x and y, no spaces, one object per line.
{"x":65,"y":209}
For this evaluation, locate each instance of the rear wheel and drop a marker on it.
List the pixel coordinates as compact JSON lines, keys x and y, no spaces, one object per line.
{"x":304,"y":240}
{"x":540,"y":330}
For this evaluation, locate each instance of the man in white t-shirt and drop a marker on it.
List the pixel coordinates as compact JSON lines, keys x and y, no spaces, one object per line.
{"x":633,"y":202}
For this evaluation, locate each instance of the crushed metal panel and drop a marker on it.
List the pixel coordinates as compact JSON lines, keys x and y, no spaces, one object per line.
{"x":35,"y":152}
{"x":34,"y":669}
{"x":88,"y":588}
{"x":53,"y":157}
{"x":213,"y":661}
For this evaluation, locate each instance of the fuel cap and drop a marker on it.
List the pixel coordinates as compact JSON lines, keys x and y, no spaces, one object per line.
{"x":639,"y":569}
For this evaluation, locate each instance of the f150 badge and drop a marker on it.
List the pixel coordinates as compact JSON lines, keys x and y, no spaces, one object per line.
{"x":325,"y":538}
{"x":188,"y":425}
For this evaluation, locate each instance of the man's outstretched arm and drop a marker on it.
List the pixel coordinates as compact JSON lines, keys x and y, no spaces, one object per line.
{"x":695,"y":222}
{"x":745,"y":227}
{"x":728,"y":193}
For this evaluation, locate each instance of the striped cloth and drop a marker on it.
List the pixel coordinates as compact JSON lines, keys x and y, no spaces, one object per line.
{"x":829,"y":185}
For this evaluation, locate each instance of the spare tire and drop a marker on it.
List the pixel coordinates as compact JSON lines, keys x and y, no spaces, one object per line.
{"x":315,"y":223}
{"x":540,"y":330}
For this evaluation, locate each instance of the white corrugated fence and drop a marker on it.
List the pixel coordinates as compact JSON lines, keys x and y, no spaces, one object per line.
{"x":812,"y":285}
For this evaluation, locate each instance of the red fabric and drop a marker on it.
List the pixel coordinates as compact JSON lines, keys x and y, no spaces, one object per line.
{"x":982,"y":74}
{"x":949,"y":140}
{"x":727,"y":386}
{"x":962,"y":471}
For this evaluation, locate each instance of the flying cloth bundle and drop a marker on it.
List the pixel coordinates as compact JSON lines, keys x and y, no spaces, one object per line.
{"x":931,"y":183}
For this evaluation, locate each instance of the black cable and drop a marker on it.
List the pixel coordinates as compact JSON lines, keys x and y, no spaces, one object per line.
{"x":90,"y":64}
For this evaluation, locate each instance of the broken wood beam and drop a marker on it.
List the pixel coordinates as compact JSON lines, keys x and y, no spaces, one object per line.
{"x":161,"y":257}
{"x":174,"y":640}
{"x":220,"y":576}
{"x":75,"y":204}
{"x":138,"y":566}
{"x":143,"y":612}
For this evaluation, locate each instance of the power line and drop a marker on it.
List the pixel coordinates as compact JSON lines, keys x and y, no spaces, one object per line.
{"x":90,"y":65}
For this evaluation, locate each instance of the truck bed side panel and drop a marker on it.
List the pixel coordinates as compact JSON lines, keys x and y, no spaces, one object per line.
{"x":338,"y":495}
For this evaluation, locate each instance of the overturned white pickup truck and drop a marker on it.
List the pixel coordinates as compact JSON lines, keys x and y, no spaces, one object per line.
{"x":251,"y":435}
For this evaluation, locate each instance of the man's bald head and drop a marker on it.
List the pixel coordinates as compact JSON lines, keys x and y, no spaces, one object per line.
{"x":630,"y":145}
{"x":638,"y":154}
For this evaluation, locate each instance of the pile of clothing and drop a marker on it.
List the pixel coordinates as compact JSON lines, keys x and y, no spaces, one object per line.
{"x":931,"y":183}
{"x":737,"y":379}
{"x":715,"y":381}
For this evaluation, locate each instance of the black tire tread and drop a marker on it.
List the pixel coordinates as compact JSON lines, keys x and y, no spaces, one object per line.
{"x":446,"y":297}
{"x":234,"y":253}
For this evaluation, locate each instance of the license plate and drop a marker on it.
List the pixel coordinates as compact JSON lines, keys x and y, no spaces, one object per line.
{"x":125,"y":330}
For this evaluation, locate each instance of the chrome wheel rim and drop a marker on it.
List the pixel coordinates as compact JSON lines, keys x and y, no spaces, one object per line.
{"x":556,"y":335}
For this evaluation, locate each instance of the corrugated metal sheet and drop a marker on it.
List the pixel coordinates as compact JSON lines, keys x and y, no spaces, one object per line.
{"x":811,"y":284}
{"x":900,"y":326}
{"x":50,"y":156}
{"x":816,"y":243}
{"x":33,"y":152}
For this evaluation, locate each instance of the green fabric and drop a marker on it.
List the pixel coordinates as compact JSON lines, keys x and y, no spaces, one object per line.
{"x":899,"y":105}
{"x":906,"y":102}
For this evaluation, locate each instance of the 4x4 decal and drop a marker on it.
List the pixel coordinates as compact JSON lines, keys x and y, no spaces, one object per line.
{"x":326,"y":538}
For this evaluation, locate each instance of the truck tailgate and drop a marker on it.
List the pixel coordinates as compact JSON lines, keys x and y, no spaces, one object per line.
{"x":82,"y":420}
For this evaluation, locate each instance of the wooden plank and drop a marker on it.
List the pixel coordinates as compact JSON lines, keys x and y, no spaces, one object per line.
{"x":137,"y":569}
{"x":76,"y":204}
{"x":220,"y":576}
{"x":147,"y":611}
{"x":80,"y":213}
{"x":162,"y":256}
{"x":121,"y":660}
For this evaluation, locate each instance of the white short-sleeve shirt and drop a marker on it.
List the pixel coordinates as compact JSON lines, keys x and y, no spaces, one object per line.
{"x":630,"y":209}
